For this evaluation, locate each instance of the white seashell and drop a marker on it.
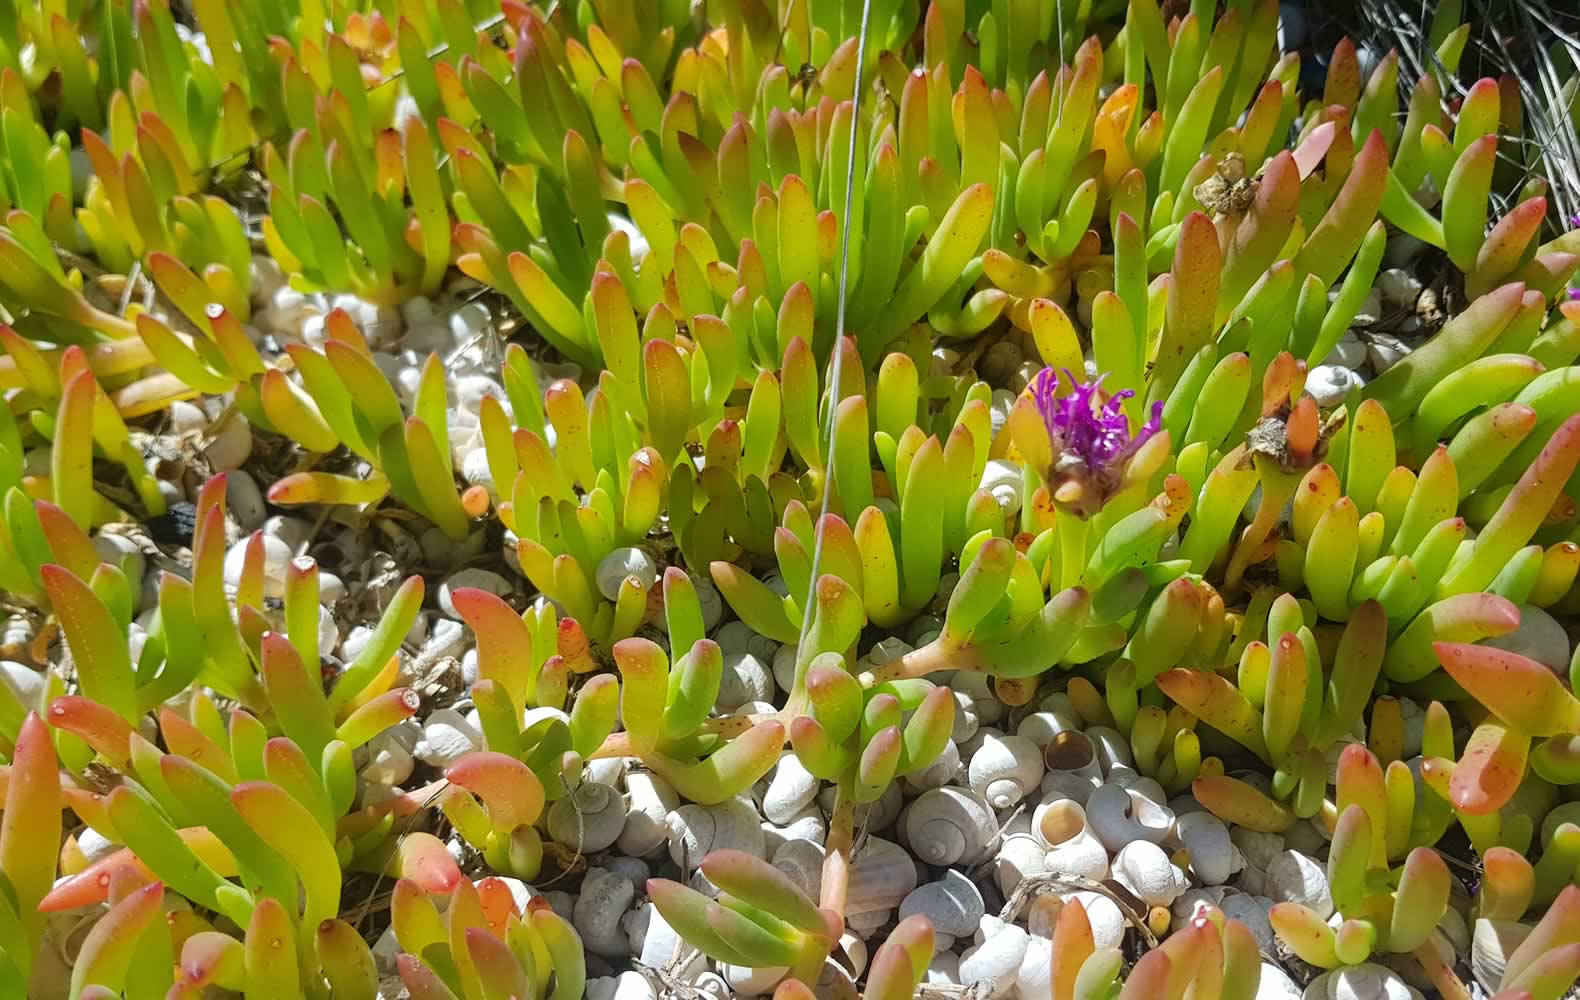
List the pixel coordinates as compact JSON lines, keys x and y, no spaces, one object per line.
{"x":969,"y":747}
{"x":855,"y":952}
{"x":783,"y":665}
{"x":802,"y":861}
{"x":867,"y":922}
{"x":276,"y":556}
{"x":989,"y":709}
{"x":446,"y":737}
{"x":1120,"y":815}
{"x":807,"y":825}
{"x":1019,"y":857}
{"x":790,"y":788}
{"x":603,"y":900}
{"x":739,"y":637}
{"x":950,"y":826}
{"x":1329,"y":384}
{"x":230,"y":444}
{"x":293,"y":531}
{"x":875,"y":817}
{"x":1370,"y":310}
{"x":1073,"y":769}
{"x":881,"y":874}
{"x":654,"y":943}
{"x":966,"y":722}
{"x":953,"y":903}
{"x":749,"y":982}
{"x":887,"y":650}
{"x":1398,"y":287}
{"x":712,"y":984}
{"x":923,"y":629}
{"x":26,"y":683}
{"x":937,"y":774}
{"x":999,"y":361}
{"x":627,"y":986}
{"x":1252,"y":912}
{"x":944,"y":360}
{"x":1454,"y":932}
{"x":745,"y":678}
{"x":1491,"y":944}
{"x":1360,"y":982}
{"x":328,"y":629}
{"x":1035,"y":977}
{"x":1257,"y":848}
{"x":1108,"y":922}
{"x":711,"y":602}
{"x":1072,"y":847}
{"x":1539,"y":637}
{"x":589,"y":820}
{"x":244,"y":500}
{"x":1148,"y":873}
{"x":1213,"y":856}
{"x":997,"y":959}
{"x":481,"y":579}
{"x":1385,"y":351}
{"x":186,"y":418}
{"x":95,"y":845}
{"x":638,"y":242}
{"x":476,"y":472}
{"x":331,"y":589}
{"x":1042,"y":725}
{"x":1003,"y":480}
{"x":389,"y":762}
{"x":1292,"y":877}
{"x":1275,"y":984}
{"x":1193,"y":903}
{"x":621,"y":563}
{"x":1004,"y":769}
{"x":1349,"y":352}
{"x":1113,"y":750}
{"x":695,"y":831}
{"x":605,"y":771}
{"x":944,"y":970}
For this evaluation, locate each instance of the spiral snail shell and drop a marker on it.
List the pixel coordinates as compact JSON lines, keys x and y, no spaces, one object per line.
{"x":950,"y":825}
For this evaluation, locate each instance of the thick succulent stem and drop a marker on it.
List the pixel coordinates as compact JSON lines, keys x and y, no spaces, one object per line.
{"x":1443,"y":977}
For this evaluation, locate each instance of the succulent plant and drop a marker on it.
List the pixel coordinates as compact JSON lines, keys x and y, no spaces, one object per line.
{"x":883,"y":321}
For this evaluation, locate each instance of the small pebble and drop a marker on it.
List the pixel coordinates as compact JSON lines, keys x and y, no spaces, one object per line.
{"x":446,"y":737}
{"x":1539,"y":637}
{"x":231,"y":445}
{"x":276,"y":556}
{"x":244,"y":500}
{"x":122,"y":553}
{"x":1371,"y":309}
{"x":185,"y":418}
{"x":481,"y":579}
{"x":1398,"y":288}
{"x":1349,"y":352}
{"x":1385,"y":351}
{"x":330,"y":588}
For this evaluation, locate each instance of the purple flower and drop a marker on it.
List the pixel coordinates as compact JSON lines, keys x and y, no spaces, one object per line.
{"x":1091,"y":438}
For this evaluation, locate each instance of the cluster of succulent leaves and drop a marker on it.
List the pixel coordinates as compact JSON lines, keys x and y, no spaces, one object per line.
{"x":1213,"y":253}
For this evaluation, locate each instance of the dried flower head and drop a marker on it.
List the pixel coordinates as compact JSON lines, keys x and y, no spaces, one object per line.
{"x":1090,"y":437}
